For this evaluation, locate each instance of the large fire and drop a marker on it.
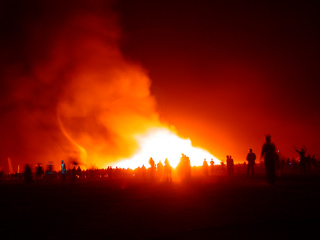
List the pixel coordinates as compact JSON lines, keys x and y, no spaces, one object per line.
{"x":162,"y":143}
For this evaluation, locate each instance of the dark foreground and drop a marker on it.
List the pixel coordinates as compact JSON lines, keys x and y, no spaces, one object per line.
{"x":204,"y":208}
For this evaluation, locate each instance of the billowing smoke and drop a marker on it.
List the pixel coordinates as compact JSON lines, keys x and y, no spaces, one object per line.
{"x":66,"y":89}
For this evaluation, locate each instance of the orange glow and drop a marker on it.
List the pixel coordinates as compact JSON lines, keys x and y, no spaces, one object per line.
{"x":83,"y":152}
{"x":162,"y":143}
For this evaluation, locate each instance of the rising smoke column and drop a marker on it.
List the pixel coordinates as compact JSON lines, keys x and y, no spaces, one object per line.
{"x":67,"y":90}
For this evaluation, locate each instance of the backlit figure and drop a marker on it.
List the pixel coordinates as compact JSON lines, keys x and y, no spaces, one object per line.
{"x":63,"y":170}
{"x":205,"y":167}
{"x":251,"y":157}
{"x":302,"y":153}
{"x":269,"y":152}
{"x":167,"y":170}
{"x":230,"y":164}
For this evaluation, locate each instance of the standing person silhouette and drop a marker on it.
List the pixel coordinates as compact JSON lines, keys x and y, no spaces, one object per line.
{"x":167,"y":170}
{"x":211,"y":166}
{"x":302,"y":153}
{"x":251,"y":157}
{"x":160,"y":170}
{"x":268,"y":152}
{"x":205,"y":167}
{"x":152,"y":167}
{"x":27,"y":174}
{"x":63,"y":171}
{"x":230,"y":165}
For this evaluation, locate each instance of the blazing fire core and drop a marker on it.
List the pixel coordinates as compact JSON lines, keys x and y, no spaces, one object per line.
{"x":162,"y":143}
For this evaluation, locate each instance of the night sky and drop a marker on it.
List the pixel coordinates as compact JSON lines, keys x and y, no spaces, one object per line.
{"x":224,"y":74}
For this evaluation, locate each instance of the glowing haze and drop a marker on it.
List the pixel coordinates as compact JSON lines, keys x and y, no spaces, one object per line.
{"x":73,"y":95}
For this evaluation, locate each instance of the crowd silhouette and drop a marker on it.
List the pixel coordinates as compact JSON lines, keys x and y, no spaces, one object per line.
{"x":272,"y":165}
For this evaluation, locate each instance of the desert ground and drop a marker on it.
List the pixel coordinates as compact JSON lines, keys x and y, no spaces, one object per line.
{"x":203,"y":207}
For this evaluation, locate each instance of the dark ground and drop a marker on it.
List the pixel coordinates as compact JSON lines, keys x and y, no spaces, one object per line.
{"x":205,"y":208}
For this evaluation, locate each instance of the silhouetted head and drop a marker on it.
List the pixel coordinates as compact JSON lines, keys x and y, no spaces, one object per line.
{"x":250,"y":150}
{"x":62,"y":161}
{"x":268,"y":139}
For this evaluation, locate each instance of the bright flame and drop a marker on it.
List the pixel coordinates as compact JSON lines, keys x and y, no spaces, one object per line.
{"x":161,"y":143}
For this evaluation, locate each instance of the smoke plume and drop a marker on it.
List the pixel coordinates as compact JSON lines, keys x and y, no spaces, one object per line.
{"x":67,"y":91}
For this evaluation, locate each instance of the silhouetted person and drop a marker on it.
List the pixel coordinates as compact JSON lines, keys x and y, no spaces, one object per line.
{"x":211,"y":166}
{"x":78,"y":172}
{"x":143,"y":172}
{"x":294,"y":163}
{"x":160,"y":170}
{"x":205,"y":167}
{"x":188,"y":168}
{"x":49,"y":172}
{"x":109,"y":172}
{"x":152,"y":167}
{"x":181,"y":167}
{"x":230,"y":164}
{"x":167,"y":170}
{"x":27,"y":174}
{"x":39,"y":172}
{"x":251,"y":157}
{"x":152,"y":163}
{"x":277,"y":162}
{"x":268,"y":152}
{"x":184,"y":167}
{"x":288,"y":163}
{"x":1,"y":175}
{"x":63,"y":171}
{"x":302,"y":153}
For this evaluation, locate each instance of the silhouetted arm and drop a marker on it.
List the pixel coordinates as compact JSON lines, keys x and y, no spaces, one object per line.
{"x":262,"y":153}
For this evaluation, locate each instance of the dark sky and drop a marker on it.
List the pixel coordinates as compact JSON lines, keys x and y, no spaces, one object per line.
{"x":226,"y":73}
{"x":223,"y":73}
